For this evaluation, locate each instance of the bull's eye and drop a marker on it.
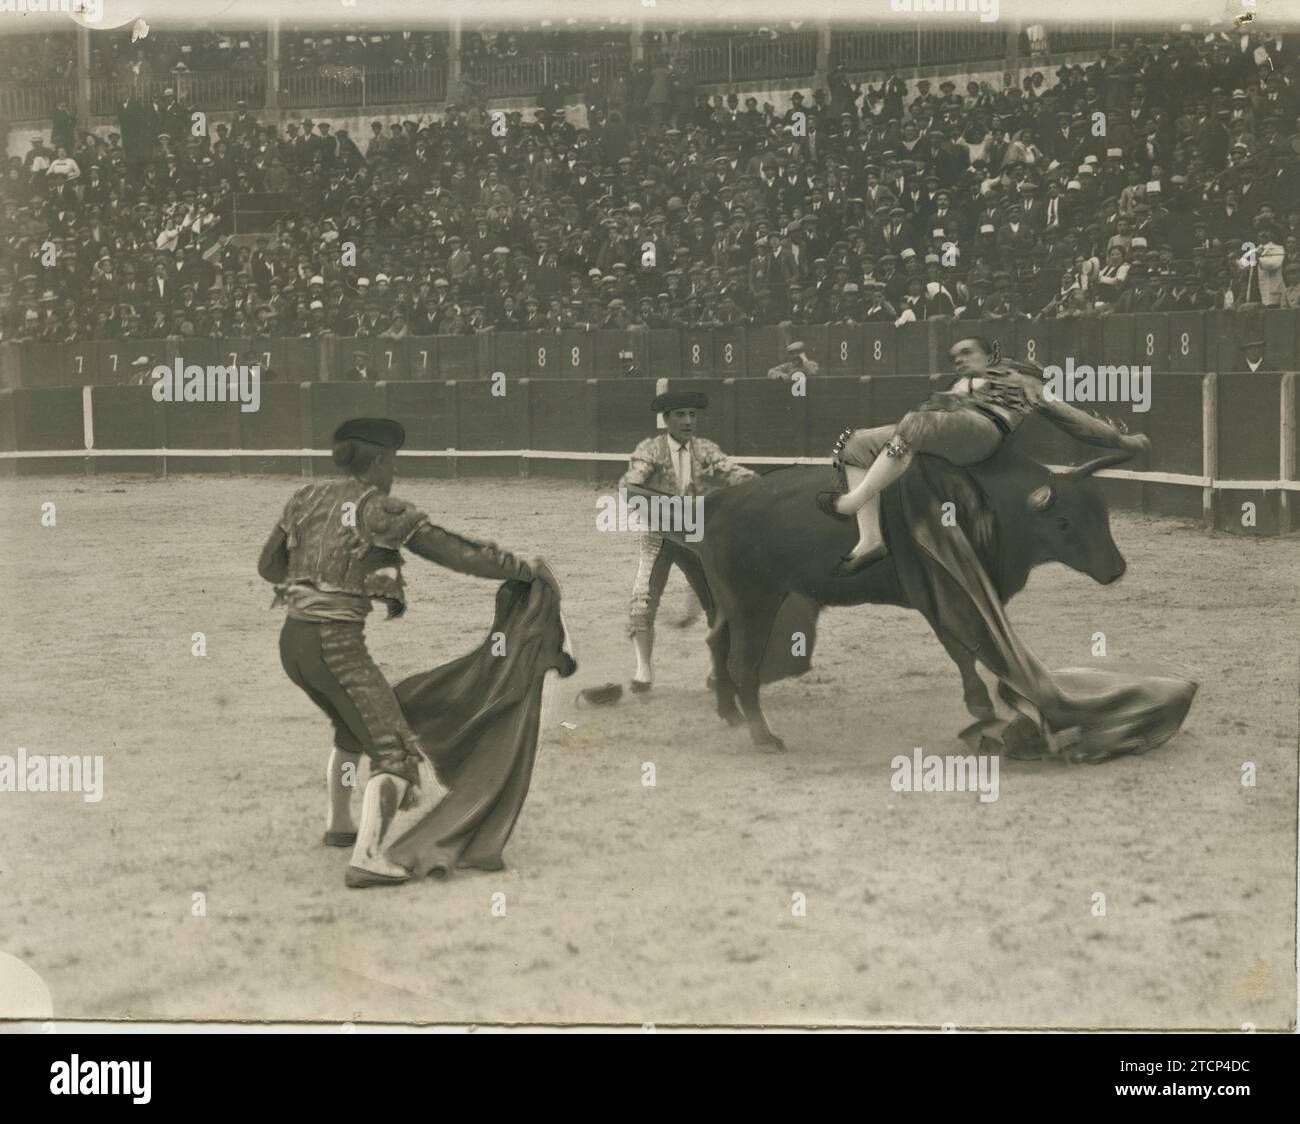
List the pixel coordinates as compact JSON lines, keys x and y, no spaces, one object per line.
{"x":1063,"y":524}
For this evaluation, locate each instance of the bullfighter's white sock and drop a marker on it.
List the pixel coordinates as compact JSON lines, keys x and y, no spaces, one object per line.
{"x":643,"y":643}
{"x":341,"y":778}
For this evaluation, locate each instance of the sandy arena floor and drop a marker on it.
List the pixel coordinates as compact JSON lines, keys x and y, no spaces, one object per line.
{"x":669,"y":904}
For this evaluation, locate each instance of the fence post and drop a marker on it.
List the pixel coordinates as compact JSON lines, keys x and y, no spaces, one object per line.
{"x":1286,"y":458}
{"x":273,"y":63}
{"x":305,"y":427}
{"x":1209,"y":444}
{"x":84,"y":108}
{"x":592,"y":396}
{"x":363,"y":87}
{"x":730,"y":79}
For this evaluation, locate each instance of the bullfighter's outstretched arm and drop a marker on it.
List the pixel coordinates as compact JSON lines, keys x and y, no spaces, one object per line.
{"x":720,"y":466}
{"x":1080,"y":425}
{"x":466,"y":556}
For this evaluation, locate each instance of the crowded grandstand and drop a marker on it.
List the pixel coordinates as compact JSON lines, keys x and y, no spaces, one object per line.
{"x":1159,"y":173}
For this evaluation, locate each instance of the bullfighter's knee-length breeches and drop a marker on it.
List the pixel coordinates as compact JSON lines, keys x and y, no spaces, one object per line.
{"x":861,"y":447}
{"x":657,"y":556}
{"x":960,"y":435}
{"x":330,"y":662}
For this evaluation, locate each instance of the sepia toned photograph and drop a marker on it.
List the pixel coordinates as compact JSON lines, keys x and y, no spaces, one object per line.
{"x":622,"y":515}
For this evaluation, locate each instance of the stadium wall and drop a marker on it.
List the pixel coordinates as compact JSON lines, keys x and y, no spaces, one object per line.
{"x":1169,"y":342}
{"x":1224,"y":445}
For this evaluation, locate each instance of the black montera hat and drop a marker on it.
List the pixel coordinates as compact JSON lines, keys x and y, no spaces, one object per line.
{"x":378,"y":431}
{"x":680,"y":400}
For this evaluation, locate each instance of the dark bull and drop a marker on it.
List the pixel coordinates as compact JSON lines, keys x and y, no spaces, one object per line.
{"x":766,"y":540}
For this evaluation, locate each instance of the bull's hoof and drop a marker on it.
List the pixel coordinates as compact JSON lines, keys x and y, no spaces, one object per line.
{"x":771,"y":744}
{"x":1023,"y":741}
{"x":732,"y":717}
{"x":982,"y":711}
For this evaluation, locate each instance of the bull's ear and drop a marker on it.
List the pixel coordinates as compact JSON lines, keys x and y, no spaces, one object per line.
{"x":1041,"y":498}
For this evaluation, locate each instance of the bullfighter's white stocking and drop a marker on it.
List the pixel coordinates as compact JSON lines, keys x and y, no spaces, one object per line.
{"x":644,"y":643}
{"x":384,"y":795}
{"x":863,"y":497}
{"x":341,"y":777}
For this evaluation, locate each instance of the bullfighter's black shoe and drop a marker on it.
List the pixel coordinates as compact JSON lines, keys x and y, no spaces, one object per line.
{"x":640,"y":686}
{"x":340,"y":839}
{"x":847,"y":566}
{"x":357,"y":878}
{"x":826,"y":504}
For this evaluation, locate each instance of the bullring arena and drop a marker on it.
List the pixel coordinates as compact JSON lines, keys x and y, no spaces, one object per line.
{"x":627,"y":903}
{"x":740,"y":887}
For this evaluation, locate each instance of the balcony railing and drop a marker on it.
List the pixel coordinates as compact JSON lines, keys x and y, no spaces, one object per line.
{"x":731,"y":58}
{"x":527,"y":75}
{"x":744,"y":58}
{"x":25,"y":101}
{"x":213,"y":90}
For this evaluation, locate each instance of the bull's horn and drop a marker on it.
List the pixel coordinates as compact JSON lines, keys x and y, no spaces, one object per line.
{"x":1083,"y":470}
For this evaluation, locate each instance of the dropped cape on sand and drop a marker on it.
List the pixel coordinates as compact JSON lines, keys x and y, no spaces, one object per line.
{"x":1083,"y":713}
{"x":477,"y":718}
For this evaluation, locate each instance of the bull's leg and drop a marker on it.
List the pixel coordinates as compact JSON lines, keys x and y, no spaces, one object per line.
{"x":724,"y":690}
{"x":749,"y":636}
{"x":974,"y":692}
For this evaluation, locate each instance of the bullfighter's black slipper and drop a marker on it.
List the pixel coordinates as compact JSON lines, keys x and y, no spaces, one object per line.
{"x":357,"y":878}
{"x":340,"y":839}
{"x":640,"y":687}
{"x":826,"y":504}
{"x":847,"y":566}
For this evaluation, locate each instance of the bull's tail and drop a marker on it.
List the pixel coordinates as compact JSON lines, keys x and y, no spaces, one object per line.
{"x":673,"y":534}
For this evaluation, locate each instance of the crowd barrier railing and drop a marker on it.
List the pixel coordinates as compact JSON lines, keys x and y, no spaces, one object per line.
{"x":1224,"y":446}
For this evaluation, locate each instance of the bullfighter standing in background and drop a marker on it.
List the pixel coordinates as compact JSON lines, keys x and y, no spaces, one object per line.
{"x":678,"y":463}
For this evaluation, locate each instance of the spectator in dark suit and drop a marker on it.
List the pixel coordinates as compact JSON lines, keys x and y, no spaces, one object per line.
{"x":359,"y":370}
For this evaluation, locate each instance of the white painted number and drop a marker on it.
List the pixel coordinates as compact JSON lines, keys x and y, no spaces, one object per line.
{"x":876,"y":350}
{"x":1151,"y":343}
{"x":695,"y":354}
{"x":1185,"y":344}
{"x":575,"y":357}
{"x":727,"y":353}
{"x":844,"y":350}
{"x":541,"y":357}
